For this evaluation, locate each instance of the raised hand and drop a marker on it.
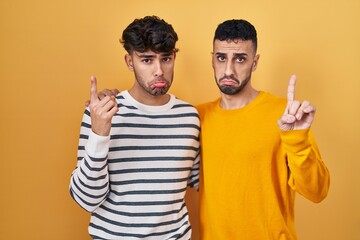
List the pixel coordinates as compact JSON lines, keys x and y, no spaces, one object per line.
{"x":104,"y":93}
{"x":296,"y":115}
{"x":101,"y":111}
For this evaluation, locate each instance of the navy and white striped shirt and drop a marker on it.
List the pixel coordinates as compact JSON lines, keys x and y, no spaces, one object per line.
{"x":134,"y":180}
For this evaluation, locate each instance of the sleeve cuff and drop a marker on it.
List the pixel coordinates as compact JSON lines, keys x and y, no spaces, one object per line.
{"x":97,"y":146}
{"x":295,"y":140}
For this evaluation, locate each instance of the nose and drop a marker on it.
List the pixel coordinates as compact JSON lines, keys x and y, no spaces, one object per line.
{"x":158,"y":72}
{"x":229,"y":68}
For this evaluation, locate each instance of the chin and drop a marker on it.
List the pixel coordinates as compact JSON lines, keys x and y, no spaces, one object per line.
{"x":230,"y":90}
{"x":159,"y":91}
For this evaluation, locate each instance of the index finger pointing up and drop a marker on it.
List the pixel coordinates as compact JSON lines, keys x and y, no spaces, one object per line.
{"x":93,"y":89}
{"x":291,"y":89}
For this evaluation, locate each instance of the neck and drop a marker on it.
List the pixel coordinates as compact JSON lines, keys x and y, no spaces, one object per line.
{"x":239,"y":100}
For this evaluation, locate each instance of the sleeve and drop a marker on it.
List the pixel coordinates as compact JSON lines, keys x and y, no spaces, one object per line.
{"x":194,"y":174}
{"x":195,"y":170}
{"x":308,"y":174}
{"x":89,"y":183}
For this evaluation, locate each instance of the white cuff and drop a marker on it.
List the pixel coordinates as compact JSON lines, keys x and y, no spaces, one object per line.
{"x":97,"y":146}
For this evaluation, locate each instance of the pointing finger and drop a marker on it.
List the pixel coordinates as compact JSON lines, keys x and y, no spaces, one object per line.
{"x":291,"y":89}
{"x":93,"y":89}
{"x":293,"y":107}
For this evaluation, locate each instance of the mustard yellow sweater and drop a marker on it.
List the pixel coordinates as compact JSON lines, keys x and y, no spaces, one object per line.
{"x":250,"y":171}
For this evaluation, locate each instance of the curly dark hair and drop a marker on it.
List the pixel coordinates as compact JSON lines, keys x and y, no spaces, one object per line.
{"x":231,"y":30}
{"x":149,"y":33}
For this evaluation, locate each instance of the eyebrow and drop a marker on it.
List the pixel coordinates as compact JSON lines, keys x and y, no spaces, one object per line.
{"x":145,"y":55}
{"x":153,"y":55}
{"x":235,"y":55}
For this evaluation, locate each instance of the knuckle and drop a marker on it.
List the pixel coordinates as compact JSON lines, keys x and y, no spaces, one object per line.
{"x":306,"y":103}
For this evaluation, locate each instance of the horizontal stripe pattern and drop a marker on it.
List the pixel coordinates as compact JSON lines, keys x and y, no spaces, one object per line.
{"x":134,"y":181}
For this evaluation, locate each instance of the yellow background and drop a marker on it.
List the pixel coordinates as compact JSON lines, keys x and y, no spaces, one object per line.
{"x":49,"y":49}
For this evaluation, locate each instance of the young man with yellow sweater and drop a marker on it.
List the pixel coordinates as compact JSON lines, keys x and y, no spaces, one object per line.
{"x":257,"y":149}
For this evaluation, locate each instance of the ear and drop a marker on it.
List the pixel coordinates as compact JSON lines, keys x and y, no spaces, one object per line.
{"x":212,"y":59}
{"x":129,"y":62}
{"x":255,"y":63}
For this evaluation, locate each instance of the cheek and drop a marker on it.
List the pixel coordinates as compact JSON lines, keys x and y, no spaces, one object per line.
{"x":141,"y":74}
{"x":217,"y":69}
{"x":243,"y":69}
{"x":169,"y":69}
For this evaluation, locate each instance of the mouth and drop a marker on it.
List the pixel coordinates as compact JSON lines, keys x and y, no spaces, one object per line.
{"x":230,"y":82}
{"x":159,"y":84}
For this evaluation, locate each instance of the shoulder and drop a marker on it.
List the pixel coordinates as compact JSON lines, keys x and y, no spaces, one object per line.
{"x":178,"y":101}
{"x":120,"y":97}
{"x":272,"y":100}
{"x":184,"y":105}
{"x":208,"y":106}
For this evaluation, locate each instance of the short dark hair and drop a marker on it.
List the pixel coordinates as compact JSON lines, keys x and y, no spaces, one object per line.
{"x":236,"y":29}
{"x":149,"y":33}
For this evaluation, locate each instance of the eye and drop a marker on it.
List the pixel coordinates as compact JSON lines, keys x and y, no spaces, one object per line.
{"x":221,"y":58}
{"x":146,"y":60}
{"x":166,"y":59}
{"x":240,"y":59}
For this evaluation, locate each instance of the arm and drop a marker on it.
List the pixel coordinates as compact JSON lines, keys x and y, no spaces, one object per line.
{"x":194,"y":174}
{"x":309,"y":175}
{"x":89,"y":183}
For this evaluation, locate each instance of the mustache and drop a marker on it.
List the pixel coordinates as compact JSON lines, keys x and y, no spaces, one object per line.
{"x":230,"y":77}
{"x":160,"y":79}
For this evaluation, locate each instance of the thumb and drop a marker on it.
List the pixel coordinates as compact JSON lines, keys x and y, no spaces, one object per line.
{"x":287,"y":119}
{"x":286,"y":122}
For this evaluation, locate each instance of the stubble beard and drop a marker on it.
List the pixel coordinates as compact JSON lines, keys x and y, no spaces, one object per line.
{"x":154,"y":91}
{"x":232,"y":90}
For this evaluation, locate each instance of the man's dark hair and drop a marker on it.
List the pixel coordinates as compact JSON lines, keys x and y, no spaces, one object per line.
{"x":149,"y":33}
{"x":234,"y":29}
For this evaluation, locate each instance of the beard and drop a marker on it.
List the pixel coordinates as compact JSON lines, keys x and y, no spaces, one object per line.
{"x":159,"y":91}
{"x":154,"y":91}
{"x":232,"y":90}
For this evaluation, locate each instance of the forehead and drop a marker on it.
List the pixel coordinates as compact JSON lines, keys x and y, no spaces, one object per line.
{"x":233,"y":46}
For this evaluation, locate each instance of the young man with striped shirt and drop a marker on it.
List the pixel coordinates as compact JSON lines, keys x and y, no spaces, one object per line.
{"x":139,"y":150}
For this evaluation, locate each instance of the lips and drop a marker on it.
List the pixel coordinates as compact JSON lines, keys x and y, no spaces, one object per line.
{"x":159,"y":84}
{"x":228,"y":82}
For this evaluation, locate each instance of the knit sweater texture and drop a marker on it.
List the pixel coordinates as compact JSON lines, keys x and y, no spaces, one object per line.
{"x":134,"y":181}
{"x":250,"y":171}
